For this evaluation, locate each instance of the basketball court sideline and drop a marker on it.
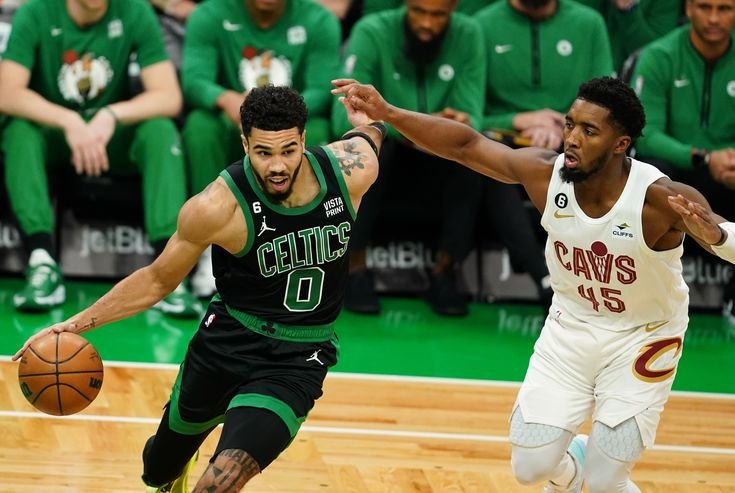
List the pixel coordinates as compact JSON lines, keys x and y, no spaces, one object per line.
{"x":415,"y":405}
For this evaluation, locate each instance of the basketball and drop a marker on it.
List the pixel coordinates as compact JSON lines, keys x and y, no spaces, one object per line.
{"x":60,"y":374}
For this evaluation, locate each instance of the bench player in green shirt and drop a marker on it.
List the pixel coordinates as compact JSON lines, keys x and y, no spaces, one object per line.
{"x":232,"y":46}
{"x":64,"y":81}
{"x":686,"y":82}
{"x":431,"y":60}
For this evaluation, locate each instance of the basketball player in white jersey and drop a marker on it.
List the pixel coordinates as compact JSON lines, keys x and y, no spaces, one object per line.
{"x":613,"y":338}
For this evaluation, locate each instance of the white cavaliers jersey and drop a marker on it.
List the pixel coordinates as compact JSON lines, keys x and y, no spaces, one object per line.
{"x":602,"y":272}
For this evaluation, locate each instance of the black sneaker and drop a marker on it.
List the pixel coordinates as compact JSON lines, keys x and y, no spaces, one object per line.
{"x":444,"y":297}
{"x":360,"y":296}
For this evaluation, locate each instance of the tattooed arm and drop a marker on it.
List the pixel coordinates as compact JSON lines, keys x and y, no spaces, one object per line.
{"x":228,"y":473}
{"x":357,"y":152}
{"x":358,"y":163}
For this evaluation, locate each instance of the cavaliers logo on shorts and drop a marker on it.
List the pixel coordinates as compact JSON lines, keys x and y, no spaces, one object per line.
{"x":657,"y":361}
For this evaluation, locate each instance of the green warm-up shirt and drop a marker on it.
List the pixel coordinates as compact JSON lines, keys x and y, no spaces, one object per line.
{"x":224,"y":49}
{"x":688,"y":102}
{"x":468,"y":7}
{"x":536,"y":65}
{"x":84,"y":69}
{"x":631,"y":29}
{"x":455,"y":79}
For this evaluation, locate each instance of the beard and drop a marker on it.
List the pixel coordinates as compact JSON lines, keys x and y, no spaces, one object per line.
{"x":278,"y":197}
{"x":576,"y":175}
{"x":421,"y":51}
{"x":534,"y":4}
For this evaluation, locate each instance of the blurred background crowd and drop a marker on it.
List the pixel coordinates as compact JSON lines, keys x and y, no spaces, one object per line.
{"x":99,"y":94}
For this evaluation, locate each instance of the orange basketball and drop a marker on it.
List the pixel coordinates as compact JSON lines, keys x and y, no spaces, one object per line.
{"x":60,"y":374}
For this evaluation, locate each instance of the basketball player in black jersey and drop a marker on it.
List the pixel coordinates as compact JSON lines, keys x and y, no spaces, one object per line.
{"x":279,"y":222}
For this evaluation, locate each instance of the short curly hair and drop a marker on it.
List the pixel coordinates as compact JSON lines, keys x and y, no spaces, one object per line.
{"x":626,"y":110}
{"x":273,"y":108}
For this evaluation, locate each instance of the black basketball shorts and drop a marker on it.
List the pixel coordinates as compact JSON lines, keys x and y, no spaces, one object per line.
{"x":231,"y":368}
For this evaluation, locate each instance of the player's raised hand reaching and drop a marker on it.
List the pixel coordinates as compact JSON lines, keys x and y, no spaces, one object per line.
{"x":356,"y":118}
{"x":699,"y":221}
{"x":361,"y":97}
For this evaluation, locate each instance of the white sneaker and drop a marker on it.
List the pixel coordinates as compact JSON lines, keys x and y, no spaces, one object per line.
{"x":202,"y":281}
{"x":44,"y":287}
{"x":180,"y":304}
{"x":577,"y":450}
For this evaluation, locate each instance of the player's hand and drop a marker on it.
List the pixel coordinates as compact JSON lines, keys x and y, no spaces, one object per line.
{"x":88,"y":152}
{"x":698,"y":220}
{"x":719,"y":163}
{"x":539,"y":118}
{"x":60,"y":327}
{"x":103,"y":125}
{"x":356,"y":118}
{"x":543,"y":136}
{"x":362,"y":97}
{"x":722,"y":166}
{"x":456,"y":115}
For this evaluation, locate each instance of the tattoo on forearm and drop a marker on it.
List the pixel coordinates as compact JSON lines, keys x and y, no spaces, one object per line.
{"x":348,"y":157}
{"x":230,"y":471}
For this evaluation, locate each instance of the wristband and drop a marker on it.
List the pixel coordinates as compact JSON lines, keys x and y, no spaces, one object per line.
{"x":381,"y":128}
{"x":726,"y":250}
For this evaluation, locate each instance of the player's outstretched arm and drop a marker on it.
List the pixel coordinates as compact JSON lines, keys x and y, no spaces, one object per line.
{"x":134,"y":294}
{"x":204,"y":219}
{"x":446,"y":138}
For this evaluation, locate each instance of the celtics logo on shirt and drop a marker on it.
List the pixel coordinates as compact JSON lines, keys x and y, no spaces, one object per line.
{"x":260,"y":68}
{"x":83,"y":78}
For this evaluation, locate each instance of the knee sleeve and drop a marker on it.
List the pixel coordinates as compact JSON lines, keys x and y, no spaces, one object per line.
{"x":611,"y":454}
{"x":622,"y":443}
{"x":531,"y":434}
{"x":537,"y":449}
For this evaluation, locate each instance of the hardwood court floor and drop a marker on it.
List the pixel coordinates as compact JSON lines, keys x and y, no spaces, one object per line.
{"x":368,"y":434}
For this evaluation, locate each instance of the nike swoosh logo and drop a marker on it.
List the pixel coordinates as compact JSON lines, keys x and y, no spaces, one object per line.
{"x":559,"y":215}
{"x":229,"y":26}
{"x":681,"y":82}
{"x":500,"y":49}
{"x":56,"y":31}
{"x":653,"y":326}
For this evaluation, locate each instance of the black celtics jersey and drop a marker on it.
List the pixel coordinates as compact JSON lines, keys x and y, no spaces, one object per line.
{"x":293,"y":269}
